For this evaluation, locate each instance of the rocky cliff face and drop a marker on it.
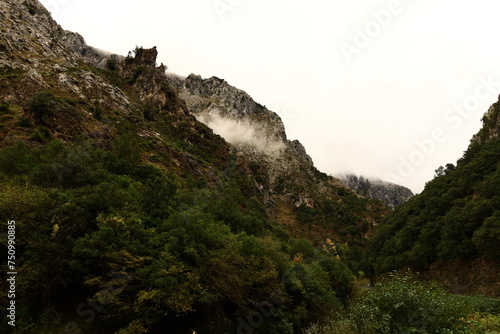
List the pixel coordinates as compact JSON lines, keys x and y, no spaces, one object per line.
{"x":39,"y":56}
{"x":389,"y":193}
{"x":259,"y":135}
{"x":491,"y":126}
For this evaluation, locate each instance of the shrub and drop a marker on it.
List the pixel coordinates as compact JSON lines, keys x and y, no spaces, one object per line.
{"x":400,"y":304}
{"x":112,"y":64}
{"x":31,"y":7}
{"x":17,"y":159}
{"x":24,"y":122}
{"x":40,"y":134}
{"x":96,"y":111}
{"x":41,"y":104}
{"x":5,"y":109}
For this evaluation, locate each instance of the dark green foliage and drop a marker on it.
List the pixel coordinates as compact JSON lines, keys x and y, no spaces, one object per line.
{"x":31,"y":7}
{"x":482,"y":304}
{"x":112,"y":64}
{"x":5,"y":109}
{"x":96,"y":111}
{"x":126,"y":155}
{"x":41,"y":104}
{"x":17,"y":160}
{"x":40,"y":134}
{"x":401,"y":304}
{"x":347,"y":219}
{"x":204,"y":257}
{"x":456,"y":216}
{"x":150,"y":112}
{"x":24,"y":122}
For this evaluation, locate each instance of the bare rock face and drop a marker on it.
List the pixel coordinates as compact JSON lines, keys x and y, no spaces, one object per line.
{"x":42,"y":35}
{"x":389,"y":193}
{"x":259,"y":135}
{"x":491,"y":126}
{"x":37,"y":56}
{"x":215,"y":97}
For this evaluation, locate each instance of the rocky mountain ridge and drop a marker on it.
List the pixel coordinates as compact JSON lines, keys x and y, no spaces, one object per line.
{"x":259,"y":134}
{"x":56,"y":87}
{"x":390,"y":193}
{"x":46,"y":57}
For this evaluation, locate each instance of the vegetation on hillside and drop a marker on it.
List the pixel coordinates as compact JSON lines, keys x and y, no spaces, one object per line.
{"x":403,"y":304}
{"x":457,"y":216}
{"x":145,"y":250}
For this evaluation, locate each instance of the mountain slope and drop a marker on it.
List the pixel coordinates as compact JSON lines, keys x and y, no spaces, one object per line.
{"x":135,"y":217}
{"x":259,"y":134}
{"x":454,"y":220}
{"x":304,"y":199}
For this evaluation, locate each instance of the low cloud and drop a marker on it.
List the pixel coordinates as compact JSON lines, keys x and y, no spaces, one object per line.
{"x":241,"y":132}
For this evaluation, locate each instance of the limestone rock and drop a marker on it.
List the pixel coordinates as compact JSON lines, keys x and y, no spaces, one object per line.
{"x":389,"y":193}
{"x":259,"y":134}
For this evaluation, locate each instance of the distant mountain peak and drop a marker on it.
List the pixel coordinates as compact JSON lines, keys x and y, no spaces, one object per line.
{"x":390,"y":193}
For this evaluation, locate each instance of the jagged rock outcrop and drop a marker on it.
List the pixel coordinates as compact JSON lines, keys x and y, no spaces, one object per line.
{"x":37,"y":56}
{"x":215,"y":96}
{"x":43,"y":35}
{"x":260,"y":135}
{"x":389,"y":193}
{"x":491,"y":126}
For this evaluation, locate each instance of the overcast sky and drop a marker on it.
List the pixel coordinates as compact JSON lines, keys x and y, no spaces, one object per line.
{"x":387,"y":88}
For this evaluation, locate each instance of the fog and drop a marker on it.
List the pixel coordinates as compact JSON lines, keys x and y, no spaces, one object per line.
{"x":241,"y":132}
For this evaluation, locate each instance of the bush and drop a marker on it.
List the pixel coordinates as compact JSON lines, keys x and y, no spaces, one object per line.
{"x":40,"y":134}
{"x":5,"y":109}
{"x":41,"y":104}
{"x":24,"y":122}
{"x":31,"y":7}
{"x":400,"y":304}
{"x":17,"y":159}
{"x":112,"y":64}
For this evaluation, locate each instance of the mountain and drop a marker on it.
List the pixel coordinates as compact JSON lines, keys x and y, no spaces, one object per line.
{"x":452,"y":229}
{"x":287,"y":176}
{"x":390,"y":193}
{"x":259,"y":134}
{"x":133,"y":216}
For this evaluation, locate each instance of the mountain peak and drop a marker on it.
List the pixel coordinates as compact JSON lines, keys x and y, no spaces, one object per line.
{"x":390,"y":193}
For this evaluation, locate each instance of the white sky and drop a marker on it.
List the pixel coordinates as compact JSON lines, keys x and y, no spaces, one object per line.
{"x":419,"y":60}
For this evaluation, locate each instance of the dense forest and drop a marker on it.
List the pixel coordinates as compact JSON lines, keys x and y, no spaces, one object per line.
{"x":455,"y":217}
{"x":180,"y":254}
